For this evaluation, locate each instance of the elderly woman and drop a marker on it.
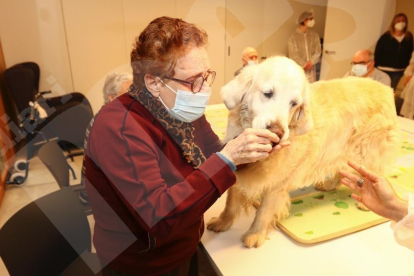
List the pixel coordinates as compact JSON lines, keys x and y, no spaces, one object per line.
{"x":153,"y":165}
{"x":115,"y":85}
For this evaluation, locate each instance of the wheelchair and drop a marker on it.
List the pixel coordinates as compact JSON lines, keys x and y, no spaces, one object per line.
{"x":65,"y":118}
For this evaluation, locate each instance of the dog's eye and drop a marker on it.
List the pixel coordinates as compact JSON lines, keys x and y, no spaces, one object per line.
{"x":293,"y":103}
{"x":268,"y":94}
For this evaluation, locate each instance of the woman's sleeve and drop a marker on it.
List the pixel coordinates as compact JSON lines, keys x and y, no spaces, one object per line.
{"x":378,"y":50}
{"x":130,"y":160}
{"x":404,"y":229}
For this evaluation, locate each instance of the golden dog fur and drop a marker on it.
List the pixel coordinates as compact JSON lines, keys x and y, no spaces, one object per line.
{"x":327,"y":122}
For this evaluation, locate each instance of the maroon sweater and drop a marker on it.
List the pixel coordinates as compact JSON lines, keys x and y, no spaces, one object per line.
{"x":147,"y":201}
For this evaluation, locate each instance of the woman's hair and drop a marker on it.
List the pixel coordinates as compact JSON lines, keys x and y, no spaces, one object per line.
{"x":158,"y":47}
{"x":113,"y":84}
{"x":392,"y":28}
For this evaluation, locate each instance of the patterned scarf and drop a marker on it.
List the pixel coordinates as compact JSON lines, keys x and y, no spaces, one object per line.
{"x":183,"y":133}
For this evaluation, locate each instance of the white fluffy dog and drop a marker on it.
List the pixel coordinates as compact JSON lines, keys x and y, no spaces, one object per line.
{"x":327,"y":122}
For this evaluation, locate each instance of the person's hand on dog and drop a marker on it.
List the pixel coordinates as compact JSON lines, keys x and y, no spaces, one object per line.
{"x":252,"y":145}
{"x":376,"y":192}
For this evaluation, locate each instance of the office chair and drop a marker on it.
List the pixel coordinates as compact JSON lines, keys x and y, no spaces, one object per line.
{"x":49,"y":236}
{"x":55,"y":161}
{"x":67,"y":116}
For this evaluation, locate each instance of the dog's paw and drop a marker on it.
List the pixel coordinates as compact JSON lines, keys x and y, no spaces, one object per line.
{"x":319,"y":186}
{"x":250,"y":239}
{"x":218,"y":225}
{"x":361,"y":206}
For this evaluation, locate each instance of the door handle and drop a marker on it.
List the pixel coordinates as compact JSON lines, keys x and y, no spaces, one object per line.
{"x":330,"y":52}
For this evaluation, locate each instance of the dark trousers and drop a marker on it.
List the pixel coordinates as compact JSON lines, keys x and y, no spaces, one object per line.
{"x":395,"y":78}
{"x":188,"y":268}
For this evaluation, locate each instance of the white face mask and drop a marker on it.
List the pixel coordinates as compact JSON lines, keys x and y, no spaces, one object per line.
{"x":188,"y":106}
{"x":359,"y":70}
{"x":400,"y":26}
{"x":251,"y":62}
{"x":310,"y":23}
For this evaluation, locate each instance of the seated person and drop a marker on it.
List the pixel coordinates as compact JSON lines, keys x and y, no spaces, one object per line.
{"x":363,"y":66}
{"x":115,"y":85}
{"x":249,"y":57}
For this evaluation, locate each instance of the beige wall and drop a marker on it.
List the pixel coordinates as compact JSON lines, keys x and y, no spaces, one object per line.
{"x":33,"y":30}
{"x":77,"y":42}
{"x":276,"y":43}
{"x":265,"y":25}
{"x":350,"y":26}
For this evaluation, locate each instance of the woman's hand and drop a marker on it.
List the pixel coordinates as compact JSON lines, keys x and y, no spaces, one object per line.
{"x":252,"y":145}
{"x":376,"y":193}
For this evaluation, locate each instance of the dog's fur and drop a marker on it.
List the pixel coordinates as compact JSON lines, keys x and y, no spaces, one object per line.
{"x":328,"y":123}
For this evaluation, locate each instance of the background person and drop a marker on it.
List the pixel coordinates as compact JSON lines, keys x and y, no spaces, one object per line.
{"x":363,"y":66}
{"x":160,"y":166}
{"x":378,"y":195}
{"x":394,"y":48}
{"x":304,"y":45}
{"x":249,"y":57}
{"x":115,"y":85}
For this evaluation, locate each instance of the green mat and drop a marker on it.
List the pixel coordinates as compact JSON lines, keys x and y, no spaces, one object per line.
{"x":320,"y":216}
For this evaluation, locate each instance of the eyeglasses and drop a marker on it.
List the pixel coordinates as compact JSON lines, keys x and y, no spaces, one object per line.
{"x":361,"y":62}
{"x":198,"y":82}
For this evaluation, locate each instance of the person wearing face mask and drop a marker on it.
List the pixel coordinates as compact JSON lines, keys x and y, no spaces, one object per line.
{"x":153,"y":165}
{"x":393,"y":49}
{"x":363,"y":66}
{"x":249,"y":57}
{"x":304,"y":45}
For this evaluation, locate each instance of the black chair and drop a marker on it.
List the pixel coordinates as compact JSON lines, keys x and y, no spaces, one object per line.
{"x":49,"y":236}
{"x":67,"y":119}
{"x":55,"y":161}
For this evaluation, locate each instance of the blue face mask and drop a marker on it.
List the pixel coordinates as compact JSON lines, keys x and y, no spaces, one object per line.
{"x":359,"y":70}
{"x":188,"y":106}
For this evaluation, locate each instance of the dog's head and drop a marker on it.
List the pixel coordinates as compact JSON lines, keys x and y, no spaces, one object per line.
{"x":276,"y":94}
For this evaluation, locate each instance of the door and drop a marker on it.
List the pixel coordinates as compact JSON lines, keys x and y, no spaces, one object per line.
{"x":244,"y":28}
{"x":351,"y":26}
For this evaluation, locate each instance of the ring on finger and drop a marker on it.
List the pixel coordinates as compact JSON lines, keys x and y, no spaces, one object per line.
{"x":360,"y":182}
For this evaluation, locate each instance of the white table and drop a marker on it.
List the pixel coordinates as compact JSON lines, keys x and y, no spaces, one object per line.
{"x":369,"y":252}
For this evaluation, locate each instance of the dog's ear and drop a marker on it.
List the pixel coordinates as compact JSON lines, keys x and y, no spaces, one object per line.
{"x":233,"y":92}
{"x":303,"y":121}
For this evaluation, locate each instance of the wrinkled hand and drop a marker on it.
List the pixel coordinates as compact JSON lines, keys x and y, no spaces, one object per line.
{"x":252,"y":145}
{"x":376,"y":193}
{"x":308,"y":66}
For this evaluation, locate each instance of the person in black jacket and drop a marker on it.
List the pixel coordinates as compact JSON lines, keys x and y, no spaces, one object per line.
{"x":394,"y":48}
